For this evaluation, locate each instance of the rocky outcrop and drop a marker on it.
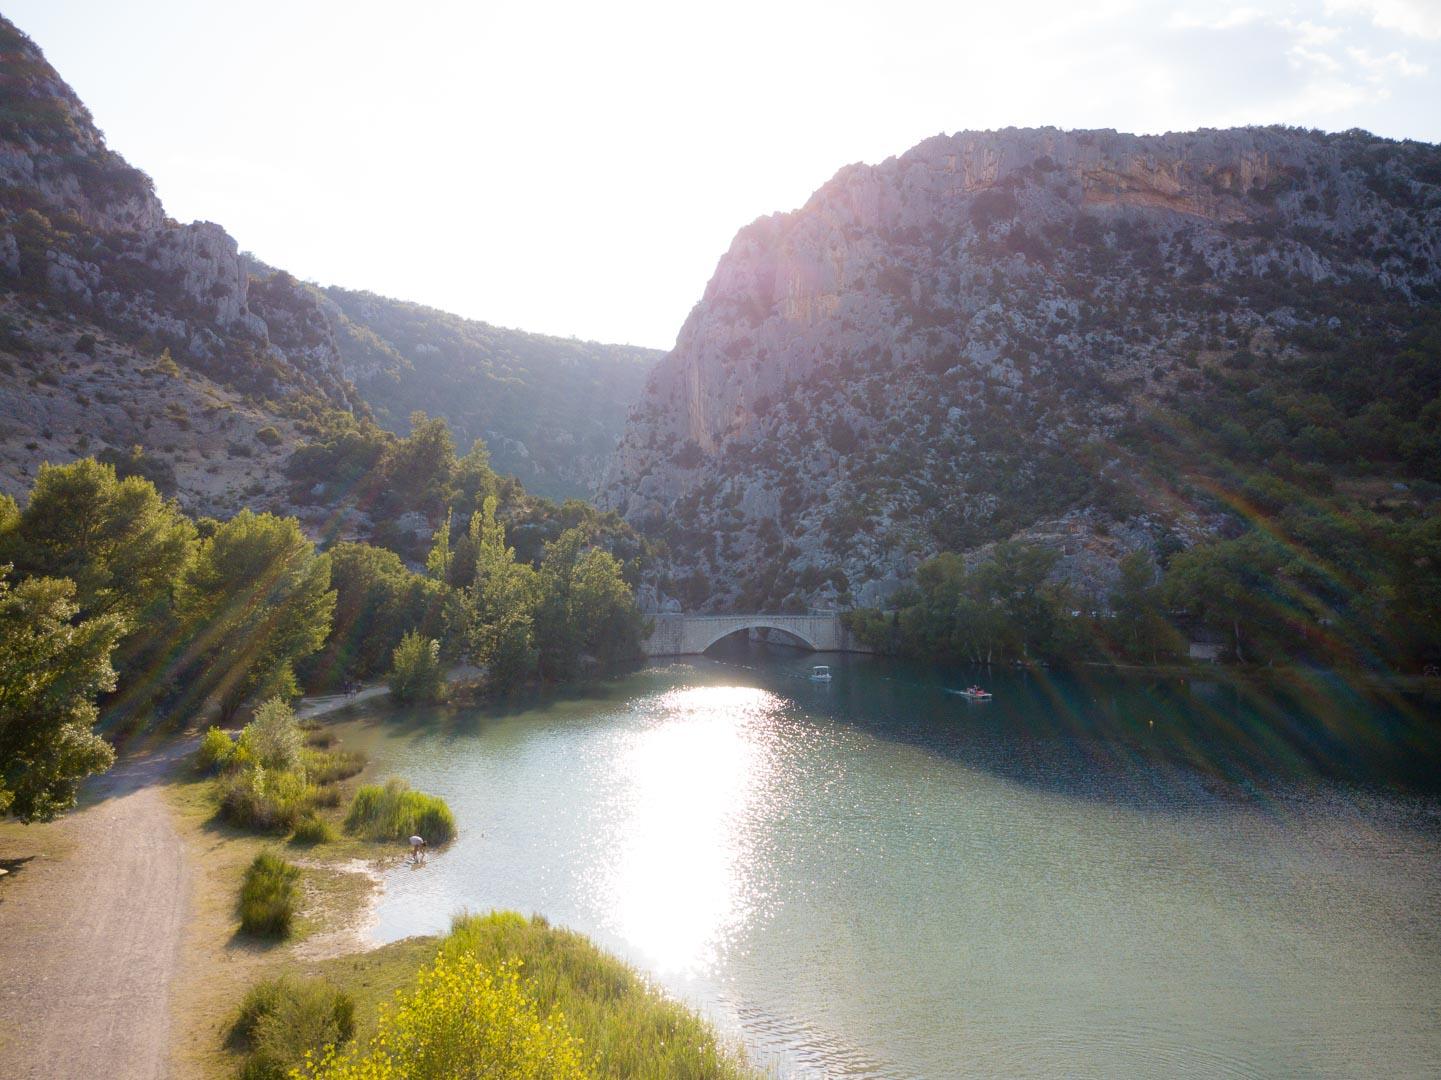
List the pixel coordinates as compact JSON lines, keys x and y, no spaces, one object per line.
{"x":938,"y":351}
{"x":83,"y":231}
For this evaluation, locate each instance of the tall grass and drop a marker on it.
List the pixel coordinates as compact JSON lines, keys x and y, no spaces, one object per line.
{"x":281,"y":1019}
{"x":267,"y":800}
{"x":394,"y":812}
{"x":267,"y":896}
{"x":627,"y":1028}
{"x":313,"y":829}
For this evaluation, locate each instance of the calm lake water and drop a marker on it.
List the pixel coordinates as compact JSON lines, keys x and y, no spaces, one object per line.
{"x":1084,"y":877}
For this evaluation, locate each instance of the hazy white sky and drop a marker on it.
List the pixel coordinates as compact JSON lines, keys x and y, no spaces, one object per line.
{"x":578,"y":168}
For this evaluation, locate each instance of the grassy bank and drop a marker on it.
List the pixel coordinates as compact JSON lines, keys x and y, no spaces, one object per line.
{"x":547,"y":991}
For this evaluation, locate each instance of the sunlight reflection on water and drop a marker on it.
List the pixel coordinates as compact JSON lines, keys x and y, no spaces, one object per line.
{"x":690,"y":786}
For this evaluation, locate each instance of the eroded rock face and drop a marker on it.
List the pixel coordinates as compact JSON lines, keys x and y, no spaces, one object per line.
{"x":917,"y":358}
{"x":81,"y":229}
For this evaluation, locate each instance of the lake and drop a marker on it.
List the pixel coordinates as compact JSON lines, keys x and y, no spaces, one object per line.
{"x":1090,"y":875}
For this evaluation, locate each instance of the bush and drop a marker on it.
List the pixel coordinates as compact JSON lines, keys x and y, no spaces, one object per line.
{"x":215,"y":752}
{"x":281,"y":1020}
{"x":273,"y":738}
{"x":415,"y":672}
{"x":462,"y":1020}
{"x":313,"y":829}
{"x":269,"y":436}
{"x":394,"y":812}
{"x":267,"y":896}
{"x":265,"y":799}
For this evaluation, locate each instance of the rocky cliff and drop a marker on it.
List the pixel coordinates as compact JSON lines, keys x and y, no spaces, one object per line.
{"x":97,"y":284}
{"x":960,"y":345}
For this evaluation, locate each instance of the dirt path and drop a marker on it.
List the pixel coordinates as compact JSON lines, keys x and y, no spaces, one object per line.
{"x":90,"y":941}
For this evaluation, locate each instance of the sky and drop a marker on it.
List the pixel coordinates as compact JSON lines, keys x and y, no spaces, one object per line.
{"x":579,"y":168}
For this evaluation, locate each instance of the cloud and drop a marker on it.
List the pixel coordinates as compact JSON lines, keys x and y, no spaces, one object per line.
{"x":1414,"y":18}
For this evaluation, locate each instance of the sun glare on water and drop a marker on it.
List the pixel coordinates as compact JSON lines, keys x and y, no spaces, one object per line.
{"x":690,"y":789}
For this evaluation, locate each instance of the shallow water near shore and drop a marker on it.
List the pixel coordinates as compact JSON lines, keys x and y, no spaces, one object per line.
{"x":1090,"y":875}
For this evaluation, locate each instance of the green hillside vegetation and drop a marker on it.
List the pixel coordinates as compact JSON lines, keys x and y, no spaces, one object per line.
{"x":564,"y":401}
{"x":113,"y":599}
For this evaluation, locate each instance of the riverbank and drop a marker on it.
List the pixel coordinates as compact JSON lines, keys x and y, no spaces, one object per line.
{"x":339,"y":884}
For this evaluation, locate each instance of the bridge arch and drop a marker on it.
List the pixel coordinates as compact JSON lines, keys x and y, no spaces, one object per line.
{"x":678,"y":634}
{"x":709,"y":638}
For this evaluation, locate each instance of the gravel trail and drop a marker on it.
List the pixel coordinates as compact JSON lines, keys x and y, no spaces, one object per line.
{"x":90,"y":942}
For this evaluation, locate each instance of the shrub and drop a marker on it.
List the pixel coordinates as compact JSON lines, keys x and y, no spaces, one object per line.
{"x":394,"y":812}
{"x":281,"y":1020}
{"x":313,"y":829}
{"x":269,"y":436}
{"x":267,"y":896}
{"x":215,"y":752}
{"x":462,"y":1020}
{"x":265,"y":799}
{"x":415,"y":672}
{"x":273,"y":738}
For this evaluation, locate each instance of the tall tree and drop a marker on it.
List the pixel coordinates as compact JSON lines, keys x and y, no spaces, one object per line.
{"x":256,"y":600}
{"x":503,"y":599}
{"x":122,"y":545}
{"x":52,"y":665}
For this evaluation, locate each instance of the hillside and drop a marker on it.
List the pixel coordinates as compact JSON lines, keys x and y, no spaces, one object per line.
{"x":122,"y":328}
{"x":550,"y":409}
{"x":1097,"y":342}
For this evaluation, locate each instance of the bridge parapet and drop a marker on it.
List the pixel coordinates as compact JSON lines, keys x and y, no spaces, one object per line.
{"x":678,"y":634}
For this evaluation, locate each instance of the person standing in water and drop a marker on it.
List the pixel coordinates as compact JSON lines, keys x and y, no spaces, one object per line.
{"x":417,"y":846}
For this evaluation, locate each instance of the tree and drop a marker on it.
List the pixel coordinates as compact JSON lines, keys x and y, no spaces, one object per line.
{"x":503,"y":597}
{"x":437,"y":563}
{"x":256,"y":600}
{"x":585,"y":611}
{"x":122,"y":545}
{"x":1141,"y":626}
{"x":52,"y":666}
{"x":377,"y":600}
{"x":415,"y":671}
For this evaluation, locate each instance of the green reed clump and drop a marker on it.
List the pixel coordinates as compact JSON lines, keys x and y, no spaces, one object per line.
{"x":314,"y":829}
{"x":267,"y":896}
{"x":394,"y":812}
{"x":267,"y":800}
{"x":282,"y":1019}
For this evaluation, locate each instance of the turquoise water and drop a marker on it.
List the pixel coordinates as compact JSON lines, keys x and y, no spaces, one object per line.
{"x":872,"y":877}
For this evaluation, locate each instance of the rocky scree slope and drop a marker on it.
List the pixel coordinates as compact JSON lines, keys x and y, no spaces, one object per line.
{"x":962,"y":344}
{"x":550,"y":409}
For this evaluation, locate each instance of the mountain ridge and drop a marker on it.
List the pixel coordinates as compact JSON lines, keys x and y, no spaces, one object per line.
{"x":926,"y":354}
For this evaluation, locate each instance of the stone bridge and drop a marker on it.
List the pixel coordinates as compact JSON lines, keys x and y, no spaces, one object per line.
{"x":678,"y":634}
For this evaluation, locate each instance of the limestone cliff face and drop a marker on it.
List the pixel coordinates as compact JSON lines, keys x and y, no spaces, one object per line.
{"x":83,"y":231}
{"x":911,"y":360}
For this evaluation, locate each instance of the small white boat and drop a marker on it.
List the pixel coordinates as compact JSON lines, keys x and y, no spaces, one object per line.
{"x":820,"y":673}
{"x":975,"y":693}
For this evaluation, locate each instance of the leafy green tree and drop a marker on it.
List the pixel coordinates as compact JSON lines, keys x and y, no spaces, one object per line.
{"x":585,"y":610}
{"x":256,"y":599}
{"x":1142,"y":629}
{"x":377,"y":600}
{"x":53,"y":663}
{"x":122,"y":545}
{"x":418,"y":469}
{"x":415,"y":672}
{"x":503,"y":600}
{"x":437,"y":563}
